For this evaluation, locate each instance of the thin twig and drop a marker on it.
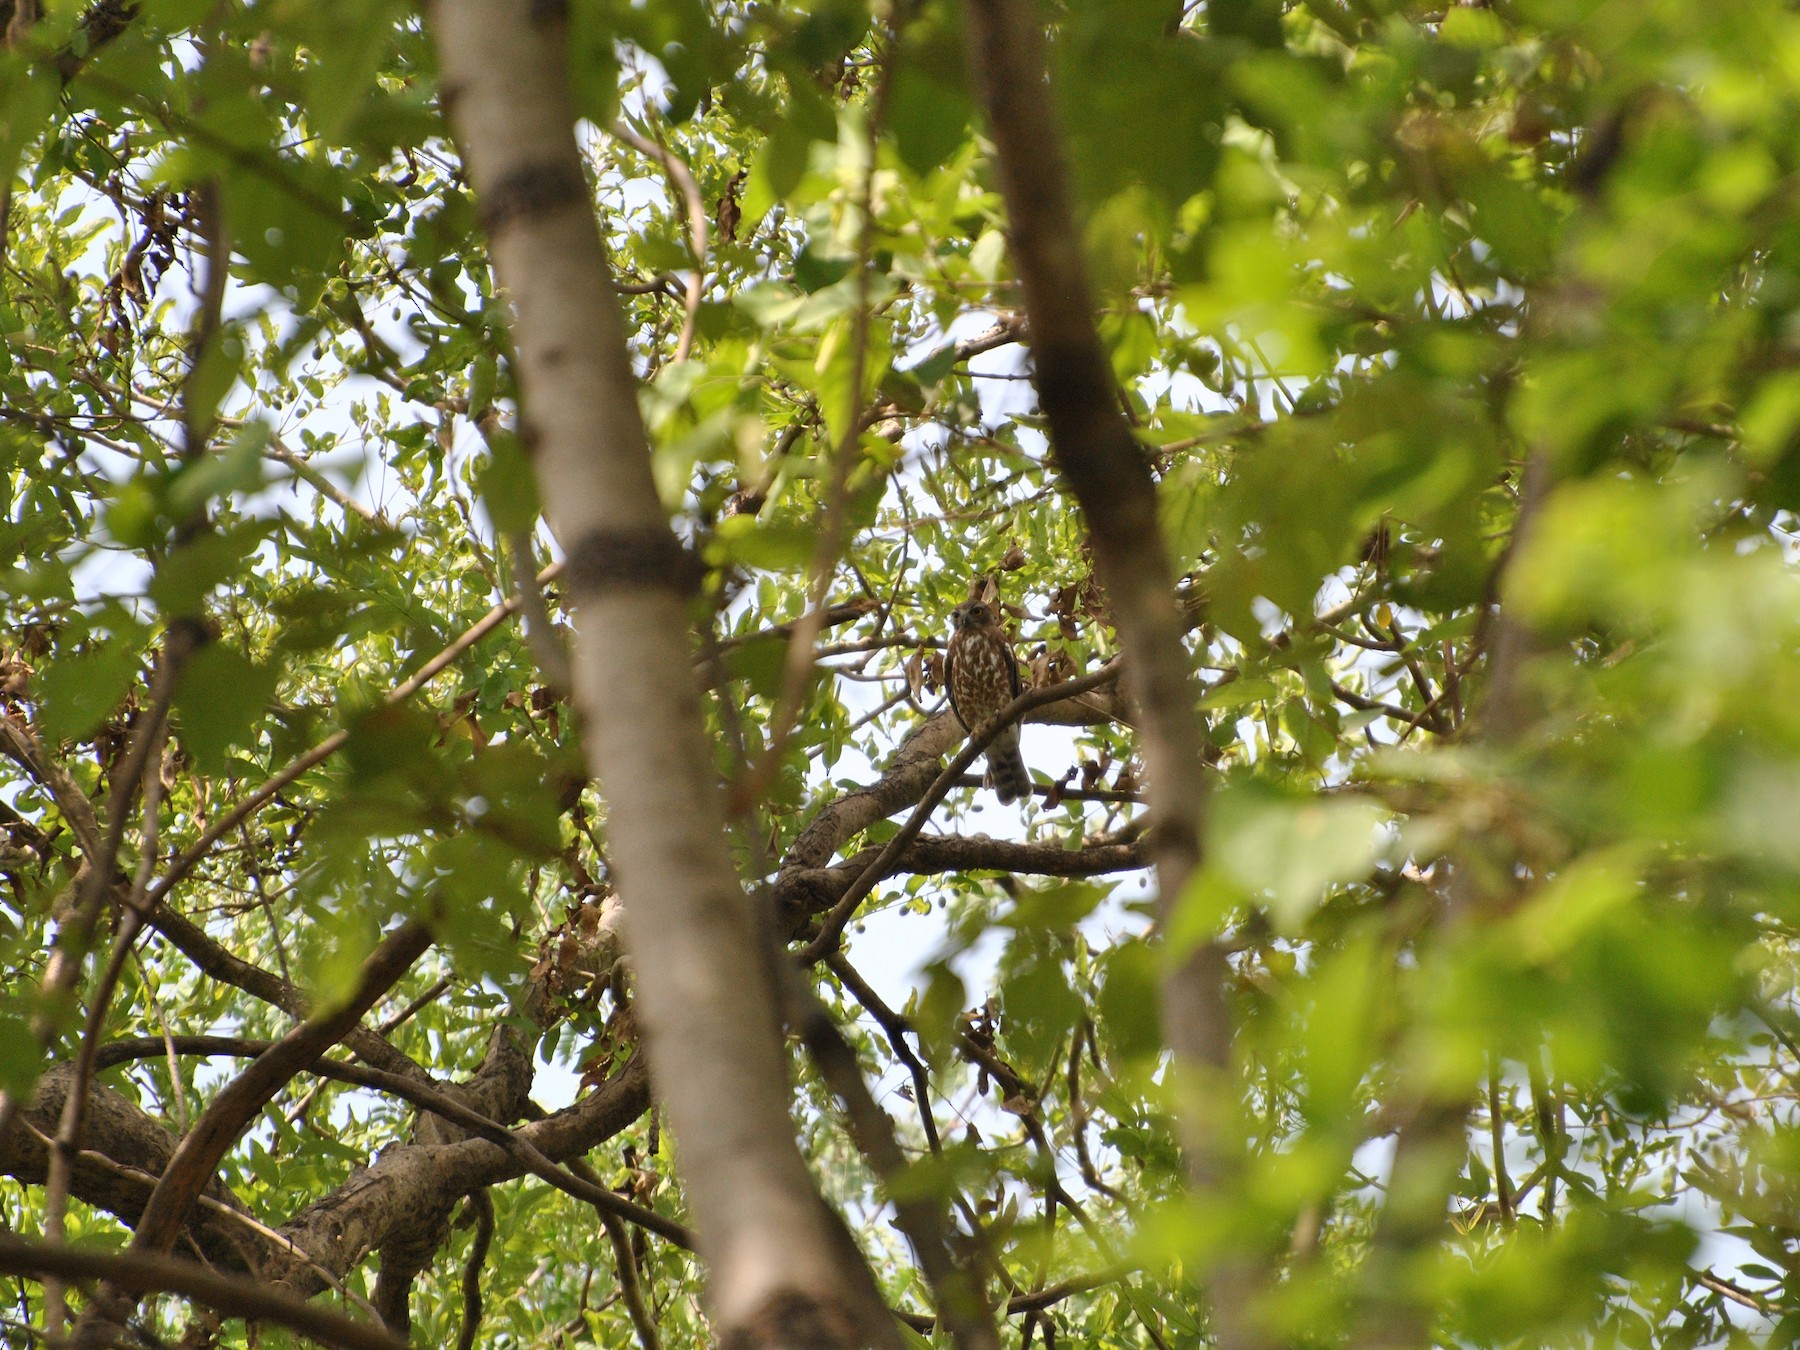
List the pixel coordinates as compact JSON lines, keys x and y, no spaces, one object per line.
{"x":68,"y":1131}
{"x":483,"y":1209}
{"x":1497,"y":1138}
{"x":694,"y":207}
{"x":961,"y":1308}
{"x":18,"y":744}
{"x":279,"y":451}
{"x":895,"y":1027}
{"x":753,"y":785}
{"x":76,"y":936}
{"x":540,"y":632}
{"x":631,"y":1288}
{"x":424,"y":1000}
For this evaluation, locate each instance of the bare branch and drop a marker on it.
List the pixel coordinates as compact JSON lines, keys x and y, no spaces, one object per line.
{"x":143,"y":1273}
{"x":895,"y":1027}
{"x":19,"y":745}
{"x":962,"y":1310}
{"x":804,"y":891}
{"x":631,"y":1289}
{"x":693,"y":206}
{"x":483,"y":1209}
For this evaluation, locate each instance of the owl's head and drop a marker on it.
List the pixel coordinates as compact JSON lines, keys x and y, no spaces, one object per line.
{"x":973,"y":614}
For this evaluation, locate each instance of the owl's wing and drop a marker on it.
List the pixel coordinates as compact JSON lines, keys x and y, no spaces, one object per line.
{"x":1012,"y":664}
{"x":950,"y":678}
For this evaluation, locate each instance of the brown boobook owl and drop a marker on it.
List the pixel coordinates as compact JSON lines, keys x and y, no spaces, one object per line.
{"x":982,"y":676}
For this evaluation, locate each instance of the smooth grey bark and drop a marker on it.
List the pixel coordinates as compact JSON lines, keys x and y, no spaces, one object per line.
{"x":782,"y":1270}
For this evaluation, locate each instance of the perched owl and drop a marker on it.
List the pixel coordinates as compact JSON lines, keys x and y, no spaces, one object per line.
{"x":983,"y":677}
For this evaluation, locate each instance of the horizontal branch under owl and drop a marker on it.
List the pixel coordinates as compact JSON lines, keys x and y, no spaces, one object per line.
{"x":814,"y":890}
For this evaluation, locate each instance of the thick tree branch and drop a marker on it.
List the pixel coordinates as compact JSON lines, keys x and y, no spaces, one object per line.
{"x":915,"y":767}
{"x":812,"y":890}
{"x":126,"y":1150}
{"x":232,"y":1110}
{"x":196,"y":1159}
{"x":119,"y":1131}
{"x":381,"y":1202}
{"x":530,"y":1159}
{"x":1092,"y":445}
{"x":143,"y":1273}
{"x":831,"y":928}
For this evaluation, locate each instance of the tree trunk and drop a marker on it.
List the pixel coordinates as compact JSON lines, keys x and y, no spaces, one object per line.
{"x":1098,"y":456}
{"x":782,"y":1269}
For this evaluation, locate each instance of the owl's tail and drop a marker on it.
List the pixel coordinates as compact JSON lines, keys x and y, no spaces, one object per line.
{"x":1006,"y":772}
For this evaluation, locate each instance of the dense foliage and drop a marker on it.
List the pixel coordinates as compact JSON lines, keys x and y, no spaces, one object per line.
{"x":1465,"y":346}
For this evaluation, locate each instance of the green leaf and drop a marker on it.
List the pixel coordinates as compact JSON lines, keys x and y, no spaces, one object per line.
{"x":219,"y":701}
{"x":238,"y":466}
{"x":1292,"y":849}
{"x":21,"y":1061}
{"x":771,"y":545}
{"x":593,"y":61}
{"x":185,"y":578}
{"x":941,"y":1003}
{"x":79,"y":692}
{"x":131,"y":517}
{"x":762,"y":663}
{"x":1039,"y":1004}
{"x":507,"y":485}
{"x":1128,"y":1001}
{"x":1057,"y":906}
{"x":1236,"y":693}
{"x":1582,"y":898}
{"x":936,"y":366}
{"x":1478,"y":29}
{"x":928,"y":113}
{"x":483,"y":377}
{"x":389,"y":739}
